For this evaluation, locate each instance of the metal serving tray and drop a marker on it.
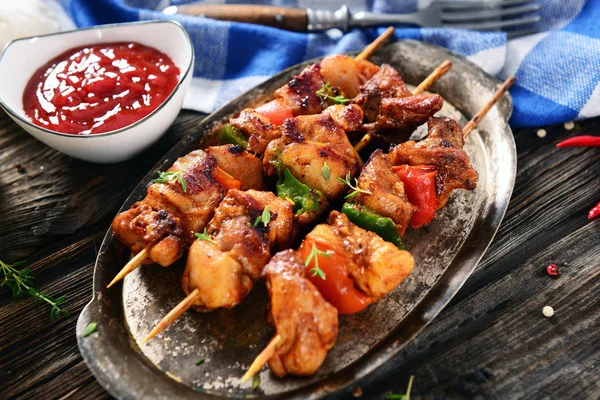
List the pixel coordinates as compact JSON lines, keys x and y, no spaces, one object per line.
{"x":446,"y":252}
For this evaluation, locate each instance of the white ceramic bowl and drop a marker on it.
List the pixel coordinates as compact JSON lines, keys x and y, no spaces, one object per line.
{"x":23,"y":57}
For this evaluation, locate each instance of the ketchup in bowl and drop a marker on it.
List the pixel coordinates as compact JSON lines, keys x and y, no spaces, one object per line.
{"x":99,"y":88}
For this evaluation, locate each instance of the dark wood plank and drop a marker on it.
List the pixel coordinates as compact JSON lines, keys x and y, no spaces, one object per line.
{"x":491,"y":342}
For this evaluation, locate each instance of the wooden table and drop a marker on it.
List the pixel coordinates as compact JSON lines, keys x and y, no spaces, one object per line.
{"x":492,"y":341}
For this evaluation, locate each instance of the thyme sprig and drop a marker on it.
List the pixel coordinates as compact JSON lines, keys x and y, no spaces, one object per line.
{"x":204,"y":236}
{"x":329,"y":93}
{"x":355,"y":189}
{"x":172,"y":176}
{"x":21,"y":284}
{"x":265,"y":218}
{"x":314,"y":254}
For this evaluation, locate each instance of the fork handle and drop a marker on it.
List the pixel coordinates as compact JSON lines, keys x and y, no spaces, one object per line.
{"x":293,"y":19}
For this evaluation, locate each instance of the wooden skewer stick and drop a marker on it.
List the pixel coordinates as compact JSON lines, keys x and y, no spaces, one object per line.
{"x":263,"y":357}
{"x":175,"y":313}
{"x":433,"y":77}
{"x":371,"y":48}
{"x":479,"y":116}
{"x":131,"y":265}
{"x":423,"y":86}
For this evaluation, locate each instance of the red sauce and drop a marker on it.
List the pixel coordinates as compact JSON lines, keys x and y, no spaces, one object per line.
{"x":99,"y":88}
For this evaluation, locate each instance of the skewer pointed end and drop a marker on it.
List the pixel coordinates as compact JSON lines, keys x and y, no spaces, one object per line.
{"x":263,"y":357}
{"x":130,"y":266}
{"x":175,"y":313}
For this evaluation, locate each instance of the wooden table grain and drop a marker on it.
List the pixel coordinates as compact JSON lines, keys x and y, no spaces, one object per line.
{"x":491,"y":341}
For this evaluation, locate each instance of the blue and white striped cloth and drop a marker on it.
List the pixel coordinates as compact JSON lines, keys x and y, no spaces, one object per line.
{"x":557,"y":70}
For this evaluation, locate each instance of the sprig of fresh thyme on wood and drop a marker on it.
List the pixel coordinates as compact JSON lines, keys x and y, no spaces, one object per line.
{"x":21,"y":284}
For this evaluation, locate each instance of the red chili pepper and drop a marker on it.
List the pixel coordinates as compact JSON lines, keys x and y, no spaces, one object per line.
{"x":552,"y":270}
{"x":583,"y":141}
{"x":594,"y":212}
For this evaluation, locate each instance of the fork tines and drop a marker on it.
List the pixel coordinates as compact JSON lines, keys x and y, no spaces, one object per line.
{"x":490,"y":15}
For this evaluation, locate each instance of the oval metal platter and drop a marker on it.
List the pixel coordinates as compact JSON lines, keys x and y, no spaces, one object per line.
{"x":446,"y":252}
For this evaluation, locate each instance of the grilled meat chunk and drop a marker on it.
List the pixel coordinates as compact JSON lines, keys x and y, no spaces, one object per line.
{"x":399,"y":117}
{"x":375,"y":266}
{"x":308,"y":142}
{"x":386,"y":83}
{"x":306,"y":322}
{"x":442,"y":148}
{"x":196,"y":205}
{"x":390,"y":108}
{"x":142,"y":226}
{"x":256,"y":128}
{"x":240,"y":164}
{"x":168,"y":217}
{"x":387,"y":197}
{"x":225,"y":269}
{"x":301,"y":91}
{"x":346,"y":73}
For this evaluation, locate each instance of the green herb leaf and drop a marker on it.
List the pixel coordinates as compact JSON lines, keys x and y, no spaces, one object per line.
{"x":21,"y":284}
{"x":355,"y":189}
{"x":172,"y":176}
{"x":91,"y":328}
{"x":265,"y":218}
{"x":405,"y":396}
{"x":204,"y":236}
{"x":255,"y":381}
{"x":332,"y":94}
{"x":326,"y":172}
{"x":199,"y":362}
{"x":314,"y":254}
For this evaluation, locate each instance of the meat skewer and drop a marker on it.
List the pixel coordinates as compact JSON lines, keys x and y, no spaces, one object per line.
{"x":307,"y":143}
{"x":270,"y":352}
{"x":250,"y":122}
{"x":423,"y":86}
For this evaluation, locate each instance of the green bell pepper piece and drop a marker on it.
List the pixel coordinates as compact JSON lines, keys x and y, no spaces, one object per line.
{"x":305,"y":199}
{"x":232,"y":135}
{"x":371,"y":221}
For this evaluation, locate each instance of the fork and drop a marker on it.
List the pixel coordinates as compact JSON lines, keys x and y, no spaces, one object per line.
{"x":483,"y":15}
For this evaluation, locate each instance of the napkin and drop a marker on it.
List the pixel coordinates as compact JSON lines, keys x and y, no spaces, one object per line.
{"x":557,"y":68}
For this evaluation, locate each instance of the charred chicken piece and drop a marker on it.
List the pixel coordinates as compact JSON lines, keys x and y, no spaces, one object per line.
{"x":257,"y":129}
{"x":142,"y":226}
{"x":168,"y":217}
{"x":309,"y":142}
{"x":195,"y":205}
{"x":240,"y":164}
{"x":300,"y":94}
{"x":387,"y":197}
{"x":225,"y":269}
{"x":386,"y":83}
{"x":375,"y":266}
{"x":442,"y":148}
{"x":390,"y":108}
{"x":306,"y":322}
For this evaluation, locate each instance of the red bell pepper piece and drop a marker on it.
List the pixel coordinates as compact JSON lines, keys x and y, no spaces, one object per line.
{"x":419,"y":185}
{"x":582,"y":141}
{"x":337,"y":287}
{"x":275,"y":111}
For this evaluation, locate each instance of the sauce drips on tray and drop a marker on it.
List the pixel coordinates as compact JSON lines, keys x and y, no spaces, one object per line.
{"x":99,"y":88}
